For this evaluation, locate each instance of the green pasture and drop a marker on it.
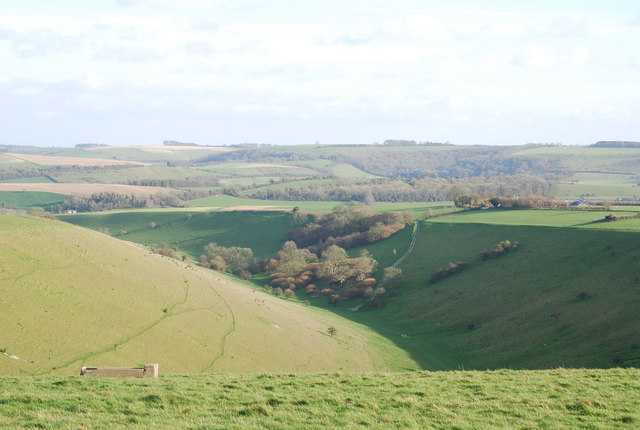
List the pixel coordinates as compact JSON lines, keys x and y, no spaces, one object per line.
{"x":298,"y":184}
{"x":191,"y":231}
{"x":579,"y":151}
{"x":31,"y":180}
{"x":5,"y":159}
{"x":27,"y":199}
{"x":74,"y":297}
{"x":421,"y":209}
{"x":578,"y":218}
{"x":129,"y":174}
{"x":506,"y":399}
{"x":521,"y":310}
{"x":262,"y":169}
{"x":251,"y":181}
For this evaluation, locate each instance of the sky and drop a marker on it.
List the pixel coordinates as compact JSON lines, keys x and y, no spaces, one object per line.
{"x":224,"y":72}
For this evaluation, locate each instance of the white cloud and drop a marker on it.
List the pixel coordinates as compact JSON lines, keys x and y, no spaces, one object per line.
{"x":315,"y":60}
{"x":507,"y":29}
{"x":535,"y":56}
{"x":26,"y":91}
{"x":460,"y":103}
{"x":95,"y":81}
{"x":580,"y":56}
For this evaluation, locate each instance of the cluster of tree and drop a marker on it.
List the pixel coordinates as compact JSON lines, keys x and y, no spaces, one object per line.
{"x":500,"y":249}
{"x":451,"y":269}
{"x":40,"y":213}
{"x":348,"y":227}
{"x":110,"y":201}
{"x":474,"y":201}
{"x":613,"y":217}
{"x":198,"y":181}
{"x":408,"y":190}
{"x":341,"y":275}
{"x":525,"y":202}
{"x":231,"y":259}
{"x":168,"y":251}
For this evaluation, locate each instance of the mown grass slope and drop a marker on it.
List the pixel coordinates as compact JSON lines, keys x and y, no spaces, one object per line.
{"x":558,"y":399}
{"x":72,"y":296}
{"x":569,"y":296}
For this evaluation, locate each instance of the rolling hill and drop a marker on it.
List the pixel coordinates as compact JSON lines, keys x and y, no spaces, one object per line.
{"x":71,"y":296}
{"x":568,"y":297}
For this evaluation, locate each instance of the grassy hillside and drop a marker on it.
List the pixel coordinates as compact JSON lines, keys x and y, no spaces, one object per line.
{"x":191,"y":231}
{"x":71,"y":296}
{"x":526,"y":309}
{"x":558,"y":399}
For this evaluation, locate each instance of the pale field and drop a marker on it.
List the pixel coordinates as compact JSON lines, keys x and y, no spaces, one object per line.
{"x":47,"y":160}
{"x":256,"y":165}
{"x":86,"y":189}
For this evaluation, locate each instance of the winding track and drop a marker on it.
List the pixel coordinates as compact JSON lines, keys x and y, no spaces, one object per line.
{"x":412,"y":244}
{"x":223,"y":342}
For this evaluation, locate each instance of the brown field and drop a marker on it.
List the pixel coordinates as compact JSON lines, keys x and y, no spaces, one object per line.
{"x":257,"y":165}
{"x":88,"y":189}
{"x":47,"y":160}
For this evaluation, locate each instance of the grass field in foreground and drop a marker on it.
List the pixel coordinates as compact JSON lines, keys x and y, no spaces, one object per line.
{"x":504,"y":399}
{"x":74,"y":297}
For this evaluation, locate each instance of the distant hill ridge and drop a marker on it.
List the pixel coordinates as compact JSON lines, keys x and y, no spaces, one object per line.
{"x":615,"y":144}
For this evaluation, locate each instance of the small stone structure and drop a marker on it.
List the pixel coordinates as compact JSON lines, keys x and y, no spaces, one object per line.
{"x":148,"y":371}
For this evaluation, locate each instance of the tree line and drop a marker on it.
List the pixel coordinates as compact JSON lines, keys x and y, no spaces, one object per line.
{"x":414,"y":161}
{"x":110,"y":201}
{"x":408,"y":190}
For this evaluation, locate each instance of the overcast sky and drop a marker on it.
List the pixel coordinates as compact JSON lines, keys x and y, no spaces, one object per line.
{"x":216,"y":72}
